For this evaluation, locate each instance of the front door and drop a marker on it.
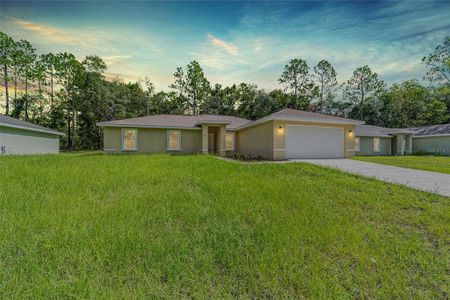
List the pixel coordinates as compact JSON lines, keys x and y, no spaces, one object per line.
{"x":211,"y":143}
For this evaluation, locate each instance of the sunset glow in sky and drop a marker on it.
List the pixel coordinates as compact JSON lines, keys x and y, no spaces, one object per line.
{"x":235,"y":41}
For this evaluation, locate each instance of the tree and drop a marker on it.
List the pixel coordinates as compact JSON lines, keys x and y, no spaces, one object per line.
{"x":222,"y":101}
{"x":6,"y":48}
{"x":27,"y":60}
{"x":89,"y":102}
{"x":50,"y":63}
{"x":68,"y":72}
{"x":297,"y":79}
{"x":363,"y":85}
{"x":410,"y":104}
{"x":165,"y":103}
{"x":16,"y":71}
{"x":149,"y":88}
{"x":325,"y":76}
{"x":435,"y":112}
{"x":438,"y":63}
{"x":192,"y":86}
{"x":254,"y":103}
{"x":38,"y":73}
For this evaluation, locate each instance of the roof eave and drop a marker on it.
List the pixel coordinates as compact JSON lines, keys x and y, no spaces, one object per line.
{"x":373,"y":135}
{"x":201,"y":122}
{"x":32,"y":129}
{"x":431,"y":135}
{"x":101,"y":124}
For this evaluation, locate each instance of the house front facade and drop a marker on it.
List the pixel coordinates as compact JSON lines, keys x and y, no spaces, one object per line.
{"x":286,"y":134}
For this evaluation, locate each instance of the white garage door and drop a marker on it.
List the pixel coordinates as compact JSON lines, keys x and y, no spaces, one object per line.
{"x":314,"y":142}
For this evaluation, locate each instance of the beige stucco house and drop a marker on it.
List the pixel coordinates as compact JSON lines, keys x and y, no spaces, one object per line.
{"x":283,"y":135}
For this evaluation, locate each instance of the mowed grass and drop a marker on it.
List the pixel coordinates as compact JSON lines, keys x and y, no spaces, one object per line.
{"x":439,"y":164}
{"x":135,"y":226}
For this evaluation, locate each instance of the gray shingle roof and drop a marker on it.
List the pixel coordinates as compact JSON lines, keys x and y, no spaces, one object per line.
{"x":442,"y":129}
{"x":370,"y":130}
{"x":7,"y":121}
{"x":233,"y":123}
{"x":177,"y":121}
{"x":289,"y":113}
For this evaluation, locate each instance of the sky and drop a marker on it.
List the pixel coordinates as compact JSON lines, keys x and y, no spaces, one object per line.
{"x":235,"y":41}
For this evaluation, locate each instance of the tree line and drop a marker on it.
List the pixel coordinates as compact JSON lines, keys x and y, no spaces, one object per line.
{"x":62,"y":92}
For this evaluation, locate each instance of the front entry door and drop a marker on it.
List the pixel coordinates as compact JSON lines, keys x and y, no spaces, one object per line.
{"x":211,"y":143}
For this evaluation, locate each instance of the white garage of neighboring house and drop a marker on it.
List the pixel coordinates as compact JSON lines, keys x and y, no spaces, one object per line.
{"x":20,"y":137}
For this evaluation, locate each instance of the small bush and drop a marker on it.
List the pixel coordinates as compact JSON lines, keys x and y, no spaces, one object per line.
{"x":246,"y":157}
{"x":426,"y":153}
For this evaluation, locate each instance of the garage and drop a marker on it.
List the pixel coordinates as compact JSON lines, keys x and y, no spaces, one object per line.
{"x":314,"y":142}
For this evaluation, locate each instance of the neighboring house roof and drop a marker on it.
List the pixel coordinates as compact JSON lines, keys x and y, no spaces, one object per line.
{"x":289,"y":114}
{"x":177,"y":121}
{"x":433,"y":130}
{"x":7,"y":121}
{"x":376,"y":131}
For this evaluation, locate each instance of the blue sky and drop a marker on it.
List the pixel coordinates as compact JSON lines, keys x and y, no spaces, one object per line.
{"x":235,"y":41}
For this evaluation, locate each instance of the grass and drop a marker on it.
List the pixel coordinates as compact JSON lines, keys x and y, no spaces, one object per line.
{"x":137,"y":226}
{"x":439,"y":164}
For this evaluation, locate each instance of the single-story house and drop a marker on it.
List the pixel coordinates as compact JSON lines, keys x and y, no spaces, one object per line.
{"x":286,"y":134}
{"x":20,"y":137}
{"x":432,"y":139}
{"x":374,"y":140}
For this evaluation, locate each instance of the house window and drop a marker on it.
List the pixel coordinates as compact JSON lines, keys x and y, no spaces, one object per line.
{"x":129,"y":139}
{"x":376,"y":144}
{"x":229,"y":141}
{"x":357,"y":145}
{"x":174,"y":140}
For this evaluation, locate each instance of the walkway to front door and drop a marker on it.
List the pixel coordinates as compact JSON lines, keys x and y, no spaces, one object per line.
{"x":433,"y":182}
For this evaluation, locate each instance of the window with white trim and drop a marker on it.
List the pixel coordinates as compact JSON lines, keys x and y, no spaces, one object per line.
{"x":229,"y":141}
{"x":174,"y":140}
{"x":357,"y":144}
{"x":376,"y":144}
{"x":129,"y":139}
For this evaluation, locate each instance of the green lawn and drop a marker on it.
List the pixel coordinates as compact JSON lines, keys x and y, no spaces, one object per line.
{"x":429,"y":163}
{"x":135,"y":226}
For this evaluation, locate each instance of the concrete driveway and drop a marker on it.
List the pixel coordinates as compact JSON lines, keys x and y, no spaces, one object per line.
{"x":433,"y":182}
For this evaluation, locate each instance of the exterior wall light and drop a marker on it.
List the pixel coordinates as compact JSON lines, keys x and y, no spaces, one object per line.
{"x":350,"y":133}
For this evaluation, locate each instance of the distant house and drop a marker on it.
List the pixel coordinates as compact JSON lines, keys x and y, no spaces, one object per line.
{"x":286,"y":134}
{"x":374,"y":140}
{"x":432,"y":139}
{"x":20,"y":137}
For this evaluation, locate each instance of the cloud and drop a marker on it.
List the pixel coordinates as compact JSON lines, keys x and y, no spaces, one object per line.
{"x":52,"y":33}
{"x":228,"y":47}
{"x":115,"y":59}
